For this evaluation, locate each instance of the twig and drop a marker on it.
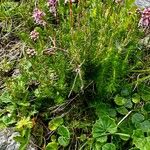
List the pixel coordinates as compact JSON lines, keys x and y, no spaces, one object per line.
{"x":83,"y":146}
{"x":136,"y":83}
{"x":73,"y":83}
{"x":124,"y":117}
{"x":50,"y":134}
{"x":78,"y":70}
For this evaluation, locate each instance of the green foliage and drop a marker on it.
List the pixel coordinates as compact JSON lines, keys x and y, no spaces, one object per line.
{"x":137,"y":118}
{"x":109,"y":146}
{"x":120,"y":100}
{"x":86,"y":64}
{"x":65,"y":136}
{"x":52,"y":146}
{"x":55,"y":123}
{"x":140,"y":141}
{"x":136,"y":98}
{"x":23,"y":139}
{"x":103,"y":126}
{"x":62,"y":131}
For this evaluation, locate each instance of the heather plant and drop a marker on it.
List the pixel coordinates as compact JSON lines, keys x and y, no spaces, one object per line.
{"x":145,"y":18}
{"x":80,"y":62}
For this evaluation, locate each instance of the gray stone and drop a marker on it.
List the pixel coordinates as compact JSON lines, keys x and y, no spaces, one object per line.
{"x":8,"y":143}
{"x":142,"y":3}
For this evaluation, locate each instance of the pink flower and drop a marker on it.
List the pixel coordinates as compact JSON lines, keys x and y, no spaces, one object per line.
{"x":145,"y":18}
{"x":52,"y":4}
{"x":34,"y":35}
{"x":38,"y":16}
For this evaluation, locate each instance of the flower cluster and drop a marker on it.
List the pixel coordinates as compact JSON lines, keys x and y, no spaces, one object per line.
{"x":38,"y":16}
{"x":34,"y":35}
{"x":145,"y":18}
{"x":31,"y":52}
{"x":52,"y":6}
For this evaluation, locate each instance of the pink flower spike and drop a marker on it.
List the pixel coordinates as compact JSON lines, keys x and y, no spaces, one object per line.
{"x":38,"y":16}
{"x":51,"y":2}
{"x":145,"y":18}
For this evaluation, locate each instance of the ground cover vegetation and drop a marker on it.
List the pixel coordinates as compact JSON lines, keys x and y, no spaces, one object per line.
{"x":74,"y":75}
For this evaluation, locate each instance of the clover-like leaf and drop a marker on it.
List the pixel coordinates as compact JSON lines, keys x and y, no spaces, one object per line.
{"x":52,"y":146}
{"x":55,"y":123}
{"x":145,"y":126}
{"x":145,"y":97}
{"x":137,"y":118}
{"x":142,"y":143}
{"x":63,"y":141}
{"x":136,"y":98}
{"x":129,"y":104}
{"x":102,"y":126}
{"x":63,"y":131}
{"x":138,"y":133}
{"x":120,"y":100}
{"x":109,"y":146}
{"x":122,"y":110}
{"x":97,"y":145}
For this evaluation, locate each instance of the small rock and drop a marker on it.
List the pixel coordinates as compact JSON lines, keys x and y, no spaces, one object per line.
{"x":8,"y":143}
{"x":142,"y":3}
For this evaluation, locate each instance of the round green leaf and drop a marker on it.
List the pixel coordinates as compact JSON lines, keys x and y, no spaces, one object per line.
{"x":63,"y":141}
{"x":109,"y":146}
{"x":128,"y":104}
{"x":138,"y":134}
{"x":102,"y":126}
{"x":122,"y":110}
{"x":125,"y":91}
{"x":137,"y":118}
{"x":145,"y":126}
{"x":52,"y":146}
{"x":97,"y":145}
{"x":142,"y":143}
{"x":120,"y":100}
{"x":63,"y":131}
{"x":145,"y":97}
{"x":136,"y":98}
{"x":55,"y":123}
{"x":53,"y":138}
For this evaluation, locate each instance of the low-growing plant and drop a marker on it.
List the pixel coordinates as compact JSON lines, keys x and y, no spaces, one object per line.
{"x":76,"y":57}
